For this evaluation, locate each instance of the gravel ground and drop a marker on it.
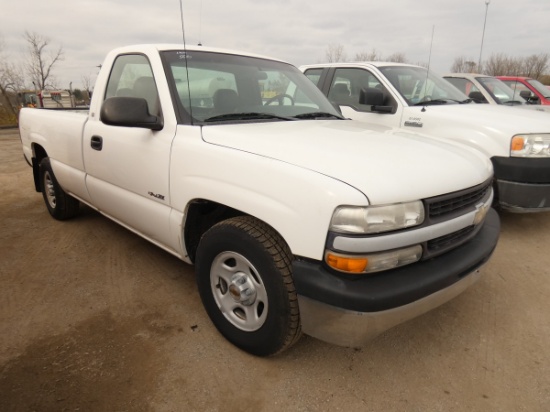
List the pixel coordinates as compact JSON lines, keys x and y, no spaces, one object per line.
{"x":94,"y":318}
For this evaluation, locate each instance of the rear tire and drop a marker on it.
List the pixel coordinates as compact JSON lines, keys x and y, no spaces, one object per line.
{"x":244,"y":277}
{"x":60,"y":205}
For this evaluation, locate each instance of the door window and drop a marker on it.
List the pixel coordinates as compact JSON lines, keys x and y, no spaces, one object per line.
{"x":348,"y":84}
{"x":132,"y":76}
{"x":314,"y":75}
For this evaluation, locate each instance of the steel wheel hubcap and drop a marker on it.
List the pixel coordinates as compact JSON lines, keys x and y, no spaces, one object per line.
{"x":50,"y":191}
{"x":239,"y":291}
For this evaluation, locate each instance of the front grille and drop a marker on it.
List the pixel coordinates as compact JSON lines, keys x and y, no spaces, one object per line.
{"x":451,"y":240}
{"x":457,"y":202}
{"x":450,"y":206}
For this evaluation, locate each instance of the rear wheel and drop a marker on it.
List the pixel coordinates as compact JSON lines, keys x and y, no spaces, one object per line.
{"x":245,"y":282}
{"x":60,"y":205}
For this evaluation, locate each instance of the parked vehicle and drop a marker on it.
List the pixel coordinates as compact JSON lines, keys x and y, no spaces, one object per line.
{"x":484,"y":89}
{"x":296,"y":219}
{"x":55,"y":99}
{"x":47,"y":99}
{"x":488,"y":89}
{"x":530,"y":89}
{"x":411,"y":98}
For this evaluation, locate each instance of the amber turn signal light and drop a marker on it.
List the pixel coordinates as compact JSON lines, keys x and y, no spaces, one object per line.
{"x":346,"y":263}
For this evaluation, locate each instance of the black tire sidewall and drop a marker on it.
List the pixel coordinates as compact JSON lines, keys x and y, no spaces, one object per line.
{"x":271,"y":336}
{"x":65,"y":206}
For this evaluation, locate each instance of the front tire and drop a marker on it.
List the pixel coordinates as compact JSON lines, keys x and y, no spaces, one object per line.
{"x":245,"y":282}
{"x":59,"y":204}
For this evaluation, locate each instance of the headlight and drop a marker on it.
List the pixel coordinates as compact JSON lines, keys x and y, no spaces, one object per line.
{"x":376,"y":219}
{"x":530,"y":145}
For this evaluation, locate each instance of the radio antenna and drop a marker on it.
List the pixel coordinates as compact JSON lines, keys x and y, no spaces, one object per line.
{"x":200,"y":26}
{"x":431,"y":45}
{"x":186,"y":65}
{"x":182,"y":25}
{"x":428,"y":69}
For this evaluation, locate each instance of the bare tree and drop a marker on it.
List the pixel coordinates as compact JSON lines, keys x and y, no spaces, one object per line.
{"x":463,"y":65}
{"x":371,"y":56}
{"x":11,"y":82}
{"x":335,"y":53}
{"x":498,"y":64}
{"x":535,"y":65}
{"x":41,"y":60}
{"x":397,"y":58}
{"x":87,"y":83}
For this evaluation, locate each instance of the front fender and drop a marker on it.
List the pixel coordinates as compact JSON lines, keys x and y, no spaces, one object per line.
{"x":296,"y":202}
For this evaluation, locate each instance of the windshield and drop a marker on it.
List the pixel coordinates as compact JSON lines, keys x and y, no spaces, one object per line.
{"x":217,"y":87}
{"x":500,"y":91}
{"x":417,"y":87}
{"x":541,"y":88}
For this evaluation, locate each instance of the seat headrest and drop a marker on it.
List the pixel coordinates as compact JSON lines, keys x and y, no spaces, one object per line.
{"x":225,"y":100}
{"x":146,"y":88}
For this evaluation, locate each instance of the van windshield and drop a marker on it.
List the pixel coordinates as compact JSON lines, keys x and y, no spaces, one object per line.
{"x":217,"y":87}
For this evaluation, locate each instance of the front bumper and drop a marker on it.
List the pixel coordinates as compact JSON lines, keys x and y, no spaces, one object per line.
{"x":350,"y":312}
{"x":523,"y":197}
{"x":523,"y":184}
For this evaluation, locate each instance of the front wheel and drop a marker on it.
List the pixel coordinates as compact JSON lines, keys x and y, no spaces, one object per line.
{"x":60,"y":205}
{"x":245,"y":283}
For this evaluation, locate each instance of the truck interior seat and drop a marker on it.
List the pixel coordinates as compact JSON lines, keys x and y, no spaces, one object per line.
{"x":125,"y":92}
{"x":225,"y":100}
{"x":146,"y":88}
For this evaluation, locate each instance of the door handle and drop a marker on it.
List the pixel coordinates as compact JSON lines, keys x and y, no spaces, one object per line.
{"x":96,"y":142}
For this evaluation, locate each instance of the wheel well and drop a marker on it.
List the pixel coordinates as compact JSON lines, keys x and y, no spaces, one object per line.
{"x":201,"y":216}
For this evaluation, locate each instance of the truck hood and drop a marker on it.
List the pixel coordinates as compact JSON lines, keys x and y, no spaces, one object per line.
{"x":489,"y":127}
{"x":536,"y":107}
{"x":387,"y":165}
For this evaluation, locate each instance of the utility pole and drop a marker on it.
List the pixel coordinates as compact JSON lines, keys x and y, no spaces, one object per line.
{"x":483,"y":35}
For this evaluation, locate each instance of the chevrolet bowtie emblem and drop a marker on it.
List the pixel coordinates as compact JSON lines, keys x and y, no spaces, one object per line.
{"x":481,"y":211}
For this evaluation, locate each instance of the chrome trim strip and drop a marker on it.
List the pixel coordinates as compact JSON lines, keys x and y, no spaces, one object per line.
{"x":412,"y":237}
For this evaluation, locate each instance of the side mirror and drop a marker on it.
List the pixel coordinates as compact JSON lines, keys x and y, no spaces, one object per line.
{"x":129,"y":112}
{"x":370,"y":96}
{"x":529,"y":96}
{"x":477,"y":97}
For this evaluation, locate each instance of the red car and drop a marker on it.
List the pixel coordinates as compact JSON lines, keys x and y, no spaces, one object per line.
{"x":530,"y":89}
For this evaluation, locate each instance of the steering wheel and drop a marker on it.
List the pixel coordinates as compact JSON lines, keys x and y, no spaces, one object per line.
{"x":279,"y":98}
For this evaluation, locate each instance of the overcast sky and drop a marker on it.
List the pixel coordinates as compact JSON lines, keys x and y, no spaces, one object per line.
{"x":293,"y":30}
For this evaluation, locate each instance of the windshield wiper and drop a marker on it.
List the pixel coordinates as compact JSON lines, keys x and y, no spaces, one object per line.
{"x":441,"y":101}
{"x":512,"y":102}
{"x":317,"y":115}
{"x":245,"y":116}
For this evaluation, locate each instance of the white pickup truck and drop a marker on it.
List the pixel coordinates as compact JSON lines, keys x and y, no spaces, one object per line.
{"x":296,"y":220}
{"x":408,"y":97}
{"x":490,"y":90}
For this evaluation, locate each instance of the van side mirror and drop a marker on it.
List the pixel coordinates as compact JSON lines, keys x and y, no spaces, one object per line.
{"x":129,"y":112}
